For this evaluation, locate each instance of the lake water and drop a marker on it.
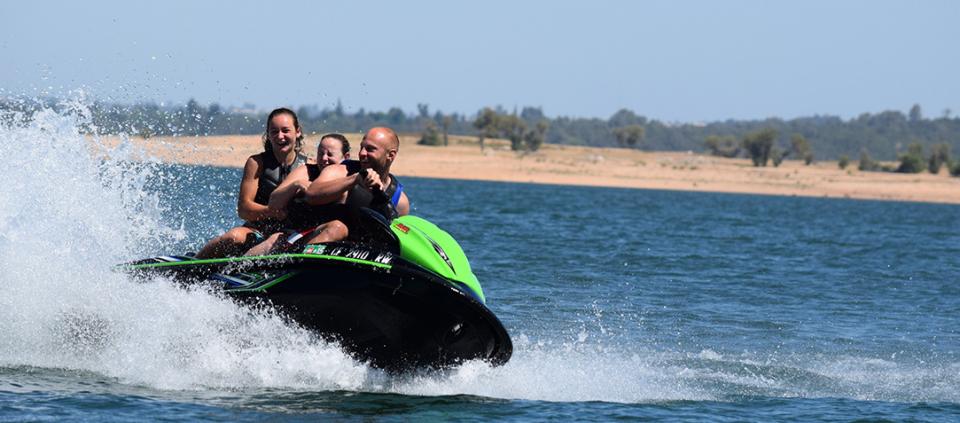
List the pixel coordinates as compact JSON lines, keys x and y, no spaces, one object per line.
{"x":621,"y":304}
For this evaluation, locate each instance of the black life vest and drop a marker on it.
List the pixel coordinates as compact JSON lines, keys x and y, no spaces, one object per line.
{"x":385,"y":204}
{"x":273,"y":174}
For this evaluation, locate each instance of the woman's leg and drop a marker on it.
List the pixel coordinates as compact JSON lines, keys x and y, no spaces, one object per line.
{"x":331,"y":231}
{"x":230,"y":243}
{"x":273,"y":244}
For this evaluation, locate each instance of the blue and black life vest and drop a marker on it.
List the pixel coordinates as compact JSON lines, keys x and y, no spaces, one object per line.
{"x":359,"y":196}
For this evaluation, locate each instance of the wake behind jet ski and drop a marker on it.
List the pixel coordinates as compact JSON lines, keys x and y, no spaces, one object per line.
{"x":402,"y":297}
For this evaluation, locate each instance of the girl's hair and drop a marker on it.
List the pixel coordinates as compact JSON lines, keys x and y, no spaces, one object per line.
{"x":339,"y":137}
{"x":296,"y":124}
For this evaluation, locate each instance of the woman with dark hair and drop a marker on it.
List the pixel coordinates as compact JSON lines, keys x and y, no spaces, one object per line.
{"x":262,"y":174}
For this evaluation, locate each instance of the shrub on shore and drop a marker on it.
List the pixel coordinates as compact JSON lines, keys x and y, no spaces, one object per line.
{"x":629,"y":136}
{"x":777,"y":156}
{"x":801,"y":147}
{"x":955,"y":168}
{"x":758,"y":145}
{"x":430,"y":136}
{"x":867,"y":164}
{"x":723,"y":146}
{"x":939,"y":155}
{"x":912,"y":161}
{"x":843,"y":162}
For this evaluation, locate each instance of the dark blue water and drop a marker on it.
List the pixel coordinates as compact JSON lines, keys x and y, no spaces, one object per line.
{"x":623,"y":304}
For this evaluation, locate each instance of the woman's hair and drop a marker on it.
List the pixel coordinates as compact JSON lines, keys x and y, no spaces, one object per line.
{"x":296,"y":124}
{"x":344,"y":144}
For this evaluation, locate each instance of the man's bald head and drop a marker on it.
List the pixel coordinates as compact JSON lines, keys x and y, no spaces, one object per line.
{"x":378,"y":149}
{"x":384,"y":136}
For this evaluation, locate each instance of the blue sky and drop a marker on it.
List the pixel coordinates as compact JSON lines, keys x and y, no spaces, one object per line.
{"x":683,"y":61}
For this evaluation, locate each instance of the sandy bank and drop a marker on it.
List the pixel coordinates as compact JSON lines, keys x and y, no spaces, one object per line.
{"x":612,"y":167}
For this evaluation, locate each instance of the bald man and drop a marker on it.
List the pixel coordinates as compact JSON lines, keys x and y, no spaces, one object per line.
{"x":357,"y":184}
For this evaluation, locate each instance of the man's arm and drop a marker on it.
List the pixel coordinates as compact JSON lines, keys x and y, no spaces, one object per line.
{"x":403,"y":205}
{"x":331,"y":186}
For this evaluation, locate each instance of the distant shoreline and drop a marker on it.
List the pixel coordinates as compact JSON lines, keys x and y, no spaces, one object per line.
{"x":592,"y":166}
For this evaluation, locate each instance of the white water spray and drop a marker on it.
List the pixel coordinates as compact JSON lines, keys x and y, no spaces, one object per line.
{"x":67,"y":216}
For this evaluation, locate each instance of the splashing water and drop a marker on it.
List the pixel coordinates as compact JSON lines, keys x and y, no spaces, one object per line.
{"x":67,"y":216}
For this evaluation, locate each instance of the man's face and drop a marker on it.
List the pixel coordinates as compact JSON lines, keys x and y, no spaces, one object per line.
{"x":374,"y":154}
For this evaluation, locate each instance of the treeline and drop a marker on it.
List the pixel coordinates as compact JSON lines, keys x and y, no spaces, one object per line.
{"x":913,"y":160}
{"x":760,"y":146}
{"x":885,"y":135}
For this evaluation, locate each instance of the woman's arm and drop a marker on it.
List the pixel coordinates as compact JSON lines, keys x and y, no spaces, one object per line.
{"x":331,"y":186}
{"x":295,"y":183}
{"x":248,"y":209}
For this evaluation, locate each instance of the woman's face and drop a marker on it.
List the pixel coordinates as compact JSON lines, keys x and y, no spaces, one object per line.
{"x":330,"y":152}
{"x":282,"y":133}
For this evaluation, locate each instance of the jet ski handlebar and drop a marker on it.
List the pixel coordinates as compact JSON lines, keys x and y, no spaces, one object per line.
{"x":376,"y":191}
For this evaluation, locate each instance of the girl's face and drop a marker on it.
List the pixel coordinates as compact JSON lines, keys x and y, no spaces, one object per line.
{"x":282,"y":133}
{"x":330,"y":152}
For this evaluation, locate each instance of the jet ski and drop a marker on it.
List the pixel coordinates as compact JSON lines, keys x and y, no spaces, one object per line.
{"x":400,"y":297}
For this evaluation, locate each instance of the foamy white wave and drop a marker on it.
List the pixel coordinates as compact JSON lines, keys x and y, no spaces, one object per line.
{"x":67,"y":216}
{"x":574,"y":371}
{"x":819,"y":375}
{"x":877,"y":379}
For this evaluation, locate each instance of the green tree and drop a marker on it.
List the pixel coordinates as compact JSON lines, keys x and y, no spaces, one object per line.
{"x":625,"y":117}
{"x":758,"y":145}
{"x":486,"y":124}
{"x":800,"y":146}
{"x":939,"y":155}
{"x":777,"y":156}
{"x":629,"y":136}
{"x":916,"y":113}
{"x":446,"y":122}
{"x":955,"y":168}
{"x":532,"y":115}
{"x":193,"y":119}
{"x":396,"y":117}
{"x":535,"y":137}
{"x":912,"y":161}
{"x":843,"y":162}
{"x":867,"y":164}
{"x":430,"y":135}
{"x":723,"y":146}
{"x":512,"y":128}
{"x":423,"y":110}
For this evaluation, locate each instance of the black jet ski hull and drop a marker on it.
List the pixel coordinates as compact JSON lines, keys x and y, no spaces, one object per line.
{"x":381,"y":308}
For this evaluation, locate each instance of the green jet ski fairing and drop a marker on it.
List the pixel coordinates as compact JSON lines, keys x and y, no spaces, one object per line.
{"x":400,"y":297}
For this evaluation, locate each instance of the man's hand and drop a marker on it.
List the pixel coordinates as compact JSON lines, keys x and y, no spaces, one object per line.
{"x":370,"y":180}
